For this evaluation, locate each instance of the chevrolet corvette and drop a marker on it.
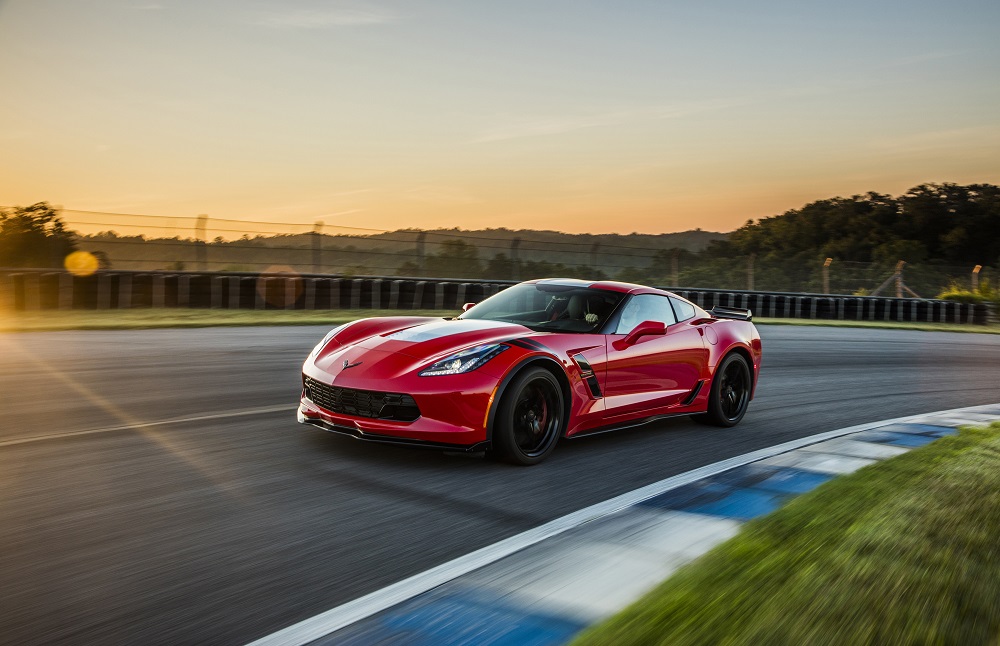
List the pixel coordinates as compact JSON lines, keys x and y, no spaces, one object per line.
{"x":540,"y":361}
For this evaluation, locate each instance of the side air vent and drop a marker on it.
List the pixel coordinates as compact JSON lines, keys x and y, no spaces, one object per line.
{"x":694,"y":393}
{"x":587,"y":372}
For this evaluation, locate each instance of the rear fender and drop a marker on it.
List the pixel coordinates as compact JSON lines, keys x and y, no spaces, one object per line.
{"x":742,"y":337}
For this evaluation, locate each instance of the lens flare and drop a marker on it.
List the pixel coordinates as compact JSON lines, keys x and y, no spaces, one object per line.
{"x":81,"y":263}
{"x":209,"y":466}
{"x":280,"y":286}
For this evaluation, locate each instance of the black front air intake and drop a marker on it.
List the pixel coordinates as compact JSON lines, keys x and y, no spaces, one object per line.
{"x":361,"y":403}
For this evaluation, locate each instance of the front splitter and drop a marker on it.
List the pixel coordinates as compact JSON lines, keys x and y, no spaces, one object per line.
{"x":358,"y":434}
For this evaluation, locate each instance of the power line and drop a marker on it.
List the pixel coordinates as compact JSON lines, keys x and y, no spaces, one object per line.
{"x":592,"y":238}
{"x":214,"y":219}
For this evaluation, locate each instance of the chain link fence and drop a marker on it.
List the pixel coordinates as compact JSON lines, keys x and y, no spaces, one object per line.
{"x":203,"y":244}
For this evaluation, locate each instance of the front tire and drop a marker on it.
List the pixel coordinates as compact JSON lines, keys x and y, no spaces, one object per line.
{"x":530,"y":418}
{"x":730,"y":395}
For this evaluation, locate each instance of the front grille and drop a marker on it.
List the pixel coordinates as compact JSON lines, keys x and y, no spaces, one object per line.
{"x":362,"y":403}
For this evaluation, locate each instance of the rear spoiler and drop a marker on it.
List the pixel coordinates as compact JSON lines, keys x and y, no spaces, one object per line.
{"x":734,"y":313}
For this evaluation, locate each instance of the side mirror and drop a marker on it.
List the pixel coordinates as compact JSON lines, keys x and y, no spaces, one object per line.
{"x":468,"y":306}
{"x":646,"y":328}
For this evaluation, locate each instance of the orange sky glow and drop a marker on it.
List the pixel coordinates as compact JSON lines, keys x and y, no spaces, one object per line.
{"x":639,"y":116}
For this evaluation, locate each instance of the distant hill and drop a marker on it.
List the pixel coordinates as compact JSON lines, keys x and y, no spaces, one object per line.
{"x":941,"y":231}
{"x":388,"y":253}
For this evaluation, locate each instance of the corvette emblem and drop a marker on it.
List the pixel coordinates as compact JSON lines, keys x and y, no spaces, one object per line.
{"x":348,"y":364}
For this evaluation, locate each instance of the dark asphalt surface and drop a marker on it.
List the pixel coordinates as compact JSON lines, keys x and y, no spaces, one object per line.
{"x":224,"y":530}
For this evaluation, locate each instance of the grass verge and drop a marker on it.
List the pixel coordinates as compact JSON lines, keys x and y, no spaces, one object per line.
{"x":884,"y":325}
{"x":901,"y":552}
{"x":169,"y":317}
{"x":51,"y":320}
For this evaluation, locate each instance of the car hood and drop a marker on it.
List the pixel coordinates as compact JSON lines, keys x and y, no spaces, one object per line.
{"x":393,"y":354}
{"x":439,"y":338}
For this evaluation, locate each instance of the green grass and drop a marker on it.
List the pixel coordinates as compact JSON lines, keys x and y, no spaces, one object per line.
{"x":905,"y":551}
{"x":170,"y":317}
{"x":177,"y":317}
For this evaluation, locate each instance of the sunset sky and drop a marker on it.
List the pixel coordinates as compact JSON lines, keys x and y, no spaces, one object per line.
{"x":646,"y":116}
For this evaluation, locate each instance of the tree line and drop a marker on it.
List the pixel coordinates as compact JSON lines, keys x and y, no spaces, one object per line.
{"x":937,"y":229}
{"x":933,"y":227}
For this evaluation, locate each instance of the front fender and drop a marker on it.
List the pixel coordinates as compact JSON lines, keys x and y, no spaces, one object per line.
{"x":516,"y":366}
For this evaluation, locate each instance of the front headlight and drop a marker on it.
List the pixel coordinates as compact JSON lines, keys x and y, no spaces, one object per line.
{"x":464,"y":361}
{"x":326,"y":339}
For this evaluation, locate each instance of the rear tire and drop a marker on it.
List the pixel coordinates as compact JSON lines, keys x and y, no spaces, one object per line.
{"x":730,"y":394}
{"x":529,"y":420}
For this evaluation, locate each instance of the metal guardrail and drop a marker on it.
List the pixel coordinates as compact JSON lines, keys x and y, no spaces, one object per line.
{"x":33,"y":290}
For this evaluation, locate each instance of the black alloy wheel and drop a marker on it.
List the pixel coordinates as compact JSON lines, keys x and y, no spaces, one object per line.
{"x":730,"y":395}
{"x":530,"y":418}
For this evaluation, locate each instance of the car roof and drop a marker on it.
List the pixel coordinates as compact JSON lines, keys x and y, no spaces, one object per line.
{"x":608,"y":285}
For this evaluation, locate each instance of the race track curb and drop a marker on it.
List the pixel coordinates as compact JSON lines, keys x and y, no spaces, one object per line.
{"x":544,"y":586}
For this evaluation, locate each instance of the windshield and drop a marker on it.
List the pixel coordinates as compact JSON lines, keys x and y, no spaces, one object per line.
{"x":549,"y":308}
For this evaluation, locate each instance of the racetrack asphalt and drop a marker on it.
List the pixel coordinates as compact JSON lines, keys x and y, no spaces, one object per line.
{"x":225,"y":529}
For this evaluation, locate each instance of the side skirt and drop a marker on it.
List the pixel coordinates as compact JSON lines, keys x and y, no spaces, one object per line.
{"x":630,"y":424}
{"x":398,"y":441}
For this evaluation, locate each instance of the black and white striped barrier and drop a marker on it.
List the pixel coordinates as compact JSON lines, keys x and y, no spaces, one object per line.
{"x":29,"y":290}
{"x":843,"y":308}
{"x":34,"y":290}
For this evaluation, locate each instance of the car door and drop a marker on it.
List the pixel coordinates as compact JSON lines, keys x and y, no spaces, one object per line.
{"x":657,"y":371}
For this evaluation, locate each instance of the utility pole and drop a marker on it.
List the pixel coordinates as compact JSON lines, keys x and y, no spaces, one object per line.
{"x":674,"y":260}
{"x":826,"y":275}
{"x":899,"y":278}
{"x":200,"y":228}
{"x":421,"y":237}
{"x":750,"y":260}
{"x":975,"y":277}
{"x":317,"y":241}
{"x":594,"y":250}
{"x":515,"y":259}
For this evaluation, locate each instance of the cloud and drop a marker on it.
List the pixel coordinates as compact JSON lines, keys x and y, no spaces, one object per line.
{"x":692,"y":108}
{"x":539,"y":126}
{"x":12,"y":135}
{"x":518,"y":128}
{"x":123,"y":202}
{"x":987,"y":136}
{"x":441,"y":195}
{"x":343,"y":16}
{"x":917,"y":59}
{"x":315,"y":207}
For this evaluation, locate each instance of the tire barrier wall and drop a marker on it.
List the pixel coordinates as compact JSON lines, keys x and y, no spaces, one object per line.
{"x":34,"y":290}
{"x":844,"y":308}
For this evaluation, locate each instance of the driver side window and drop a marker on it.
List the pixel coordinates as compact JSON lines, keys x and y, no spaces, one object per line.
{"x":645,"y":307}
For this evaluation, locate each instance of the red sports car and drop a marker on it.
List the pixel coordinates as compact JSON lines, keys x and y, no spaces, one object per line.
{"x":537,"y":362}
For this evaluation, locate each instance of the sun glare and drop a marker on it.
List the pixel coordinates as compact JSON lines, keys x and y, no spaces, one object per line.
{"x":81,"y":263}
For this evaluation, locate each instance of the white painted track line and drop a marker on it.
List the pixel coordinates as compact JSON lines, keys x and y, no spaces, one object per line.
{"x":141,"y":425}
{"x":353,"y":611}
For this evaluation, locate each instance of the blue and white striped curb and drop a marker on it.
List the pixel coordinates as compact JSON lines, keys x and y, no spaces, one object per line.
{"x":544,"y":586}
